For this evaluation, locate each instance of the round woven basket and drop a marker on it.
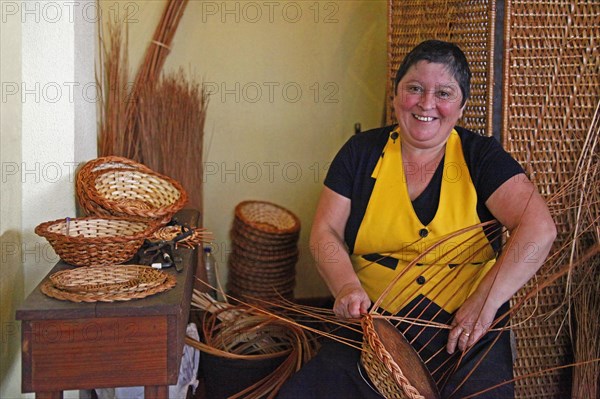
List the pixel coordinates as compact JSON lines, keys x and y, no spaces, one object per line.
{"x":392,"y":364}
{"x":115,"y":186}
{"x":266,"y":217}
{"x":83,"y":177}
{"x":107,"y":283}
{"x":95,"y":240}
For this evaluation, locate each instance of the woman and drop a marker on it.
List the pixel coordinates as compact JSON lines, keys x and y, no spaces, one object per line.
{"x":417,"y":182}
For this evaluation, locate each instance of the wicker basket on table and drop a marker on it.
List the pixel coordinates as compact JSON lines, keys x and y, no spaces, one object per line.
{"x":102,"y":163}
{"x":392,"y":364}
{"x":96,"y":240}
{"x":107,"y":283}
{"x":115,"y":186}
{"x":262,"y":262}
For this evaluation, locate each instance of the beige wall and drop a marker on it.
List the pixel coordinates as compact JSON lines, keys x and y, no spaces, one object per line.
{"x":288,"y":80}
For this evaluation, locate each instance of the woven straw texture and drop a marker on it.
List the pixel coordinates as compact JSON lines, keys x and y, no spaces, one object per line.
{"x":551,"y":88}
{"x":94,"y":240}
{"x":95,"y":165}
{"x":262,"y":263}
{"x":114,"y":186}
{"x":470,"y":24}
{"x":107,"y":283}
{"x":168,"y":233}
{"x":382,"y":369}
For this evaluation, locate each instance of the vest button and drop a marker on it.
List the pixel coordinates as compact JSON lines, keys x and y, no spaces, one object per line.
{"x":423,"y":233}
{"x":421,"y":280}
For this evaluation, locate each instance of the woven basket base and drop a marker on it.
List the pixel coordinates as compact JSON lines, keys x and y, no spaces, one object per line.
{"x":107,"y":283}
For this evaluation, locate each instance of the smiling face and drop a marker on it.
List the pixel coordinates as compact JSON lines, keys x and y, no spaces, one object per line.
{"x":427,"y":105}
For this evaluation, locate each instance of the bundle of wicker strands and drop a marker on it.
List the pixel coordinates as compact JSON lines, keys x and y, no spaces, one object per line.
{"x":116,"y":186}
{"x":244,"y":333}
{"x":264,"y":253}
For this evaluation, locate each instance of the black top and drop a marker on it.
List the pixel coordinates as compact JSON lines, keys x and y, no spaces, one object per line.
{"x":350,"y":175}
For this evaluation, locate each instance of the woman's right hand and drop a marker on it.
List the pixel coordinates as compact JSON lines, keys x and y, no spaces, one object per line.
{"x":351,"y":302}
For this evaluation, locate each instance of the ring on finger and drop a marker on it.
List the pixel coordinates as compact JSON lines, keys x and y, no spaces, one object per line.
{"x":466,"y":334}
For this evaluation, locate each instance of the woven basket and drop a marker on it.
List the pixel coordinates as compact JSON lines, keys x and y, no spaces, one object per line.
{"x":265,"y":217}
{"x":140,"y":194}
{"x":108,"y":283}
{"x":392,"y":364}
{"x":262,"y":263}
{"x":102,"y":163}
{"x":133,"y":193}
{"x":94,"y":240}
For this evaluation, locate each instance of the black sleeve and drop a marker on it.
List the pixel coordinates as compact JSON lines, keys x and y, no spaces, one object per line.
{"x":489,"y":164}
{"x":340,"y":176}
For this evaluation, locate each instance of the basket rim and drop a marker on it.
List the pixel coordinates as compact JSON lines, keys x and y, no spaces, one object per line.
{"x":94,"y":165}
{"x":43,"y":230}
{"x":92,"y":194}
{"x":259,"y":227}
{"x":128,"y":163}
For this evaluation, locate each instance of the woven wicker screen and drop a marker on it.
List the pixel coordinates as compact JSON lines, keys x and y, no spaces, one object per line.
{"x":551,"y":88}
{"x":470,"y":24}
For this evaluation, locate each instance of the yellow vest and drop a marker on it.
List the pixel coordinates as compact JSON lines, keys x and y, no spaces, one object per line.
{"x":392,"y":234}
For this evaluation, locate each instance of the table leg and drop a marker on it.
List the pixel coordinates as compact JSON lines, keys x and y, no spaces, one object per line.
{"x":156,"y":392}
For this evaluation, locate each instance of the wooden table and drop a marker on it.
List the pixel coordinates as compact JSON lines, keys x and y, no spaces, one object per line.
{"x":69,"y":346}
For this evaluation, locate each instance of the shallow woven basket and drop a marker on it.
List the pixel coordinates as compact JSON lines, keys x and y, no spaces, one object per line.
{"x":392,"y":364}
{"x":95,"y":240}
{"x":266,"y":217}
{"x":133,"y":193}
{"x":107,"y":283}
{"x":102,"y":163}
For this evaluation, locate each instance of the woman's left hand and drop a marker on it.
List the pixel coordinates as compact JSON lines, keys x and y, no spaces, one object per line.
{"x":470,"y":323}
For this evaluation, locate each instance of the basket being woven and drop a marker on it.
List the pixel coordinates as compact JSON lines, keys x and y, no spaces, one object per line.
{"x":94,"y":240}
{"x":116,"y":186}
{"x":392,"y":364}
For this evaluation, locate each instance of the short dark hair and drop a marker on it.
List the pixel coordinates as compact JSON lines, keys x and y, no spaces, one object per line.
{"x":439,"y":52}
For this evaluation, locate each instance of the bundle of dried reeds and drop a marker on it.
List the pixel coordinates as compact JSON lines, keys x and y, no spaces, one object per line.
{"x":585,"y":281}
{"x":171,"y":131}
{"x":113,"y":91}
{"x":119,"y":133}
{"x":157,"y":121}
{"x":151,"y":67}
{"x":586,"y":383}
